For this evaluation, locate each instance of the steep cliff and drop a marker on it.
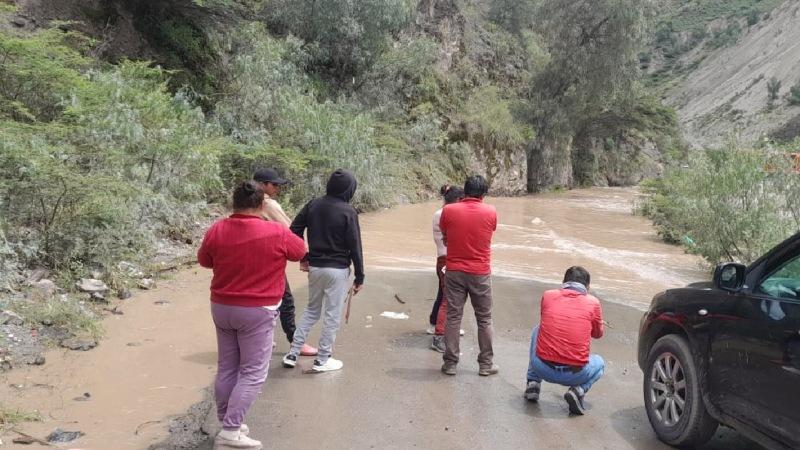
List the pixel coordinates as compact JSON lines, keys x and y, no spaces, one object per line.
{"x":722,"y":93}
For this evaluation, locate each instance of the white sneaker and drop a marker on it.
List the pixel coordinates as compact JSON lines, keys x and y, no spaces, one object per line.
{"x":330,"y":365}
{"x":432,"y":330}
{"x":235,"y":439}
{"x":244,"y":429}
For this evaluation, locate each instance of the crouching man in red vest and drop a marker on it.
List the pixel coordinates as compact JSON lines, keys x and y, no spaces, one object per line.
{"x":559,"y":354}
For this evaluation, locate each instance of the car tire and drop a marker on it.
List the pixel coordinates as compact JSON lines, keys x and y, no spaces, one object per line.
{"x":673,"y":395}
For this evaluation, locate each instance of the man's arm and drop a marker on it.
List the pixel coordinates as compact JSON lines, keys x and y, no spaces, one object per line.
{"x":597,"y":323}
{"x":298,"y":227}
{"x":353,"y":239}
{"x":274,"y":212}
{"x":300,"y":222}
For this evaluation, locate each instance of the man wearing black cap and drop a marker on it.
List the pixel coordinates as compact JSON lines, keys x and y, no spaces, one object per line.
{"x":271,"y":183}
{"x":331,"y":226}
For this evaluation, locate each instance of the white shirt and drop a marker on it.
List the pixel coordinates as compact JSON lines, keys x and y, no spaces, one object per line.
{"x":273,"y":212}
{"x":441,"y":249}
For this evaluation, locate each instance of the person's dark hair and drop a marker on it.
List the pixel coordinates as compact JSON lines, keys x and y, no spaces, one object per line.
{"x":248,"y":195}
{"x":443,"y":190}
{"x":453,"y":195}
{"x":476,"y":186}
{"x":577,"y":274}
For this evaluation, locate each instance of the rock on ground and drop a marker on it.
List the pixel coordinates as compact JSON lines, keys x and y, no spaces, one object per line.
{"x":193,"y":429}
{"x":79,"y":344}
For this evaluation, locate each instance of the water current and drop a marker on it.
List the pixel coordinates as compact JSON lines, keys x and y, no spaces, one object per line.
{"x":538,"y":237}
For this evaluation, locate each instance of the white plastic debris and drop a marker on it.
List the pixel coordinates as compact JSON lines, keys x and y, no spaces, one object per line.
{"x":537,"y":221}
{"x":394,"y":315}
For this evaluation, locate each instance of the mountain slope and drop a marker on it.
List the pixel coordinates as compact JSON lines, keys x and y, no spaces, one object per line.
{"x":725,"y":96}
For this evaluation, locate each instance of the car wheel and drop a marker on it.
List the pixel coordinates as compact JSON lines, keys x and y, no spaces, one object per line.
{"x":673,"y":396}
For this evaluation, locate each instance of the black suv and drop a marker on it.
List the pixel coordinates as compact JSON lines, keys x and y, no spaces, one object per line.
{"x":727,"y":352}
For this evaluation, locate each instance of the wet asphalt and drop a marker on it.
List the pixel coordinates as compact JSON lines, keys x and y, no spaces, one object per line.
{"x":391,"y":393}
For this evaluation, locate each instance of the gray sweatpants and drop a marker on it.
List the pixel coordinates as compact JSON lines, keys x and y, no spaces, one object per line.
{"x":327,"y":291}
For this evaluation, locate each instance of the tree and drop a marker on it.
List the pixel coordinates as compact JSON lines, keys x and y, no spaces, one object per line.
{"x":593,"y":48}
{"x":773,"y":89}
{"x":514,"y":15}
{"x":344,"y":36}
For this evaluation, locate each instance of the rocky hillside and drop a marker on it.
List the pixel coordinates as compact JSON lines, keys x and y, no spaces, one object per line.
{"x":720,"y":77}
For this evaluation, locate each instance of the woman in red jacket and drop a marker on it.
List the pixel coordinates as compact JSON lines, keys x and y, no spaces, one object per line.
{"x":248,"y":256}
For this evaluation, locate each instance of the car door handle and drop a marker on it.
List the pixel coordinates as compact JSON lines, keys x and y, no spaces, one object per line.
{"x":703,"y":312}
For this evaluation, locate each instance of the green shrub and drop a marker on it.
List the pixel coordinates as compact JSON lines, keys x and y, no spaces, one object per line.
{"x":108,"y":162}
{"x":345,"y":37}
{"x":753,"y":17}
{"x":730,"y":204}
{"x":68,"y":314}
{"x":37,"y":74}
{"x":794,"y":94}
{"x":10,"y":417}
{"x":275,"y":115}
{"x":726,"y":37}
{"x":773,"y":89}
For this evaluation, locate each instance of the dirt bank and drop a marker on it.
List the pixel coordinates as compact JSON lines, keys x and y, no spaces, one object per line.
{"x":155,"y":361}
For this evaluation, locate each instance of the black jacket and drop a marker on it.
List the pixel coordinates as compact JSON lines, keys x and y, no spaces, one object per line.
{"x":334,"y":235}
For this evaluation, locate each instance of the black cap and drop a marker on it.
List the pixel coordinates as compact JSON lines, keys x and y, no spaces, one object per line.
{"x":268,"y":175}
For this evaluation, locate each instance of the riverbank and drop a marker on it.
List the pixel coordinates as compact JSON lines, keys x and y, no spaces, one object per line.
{"x":149,"y":368}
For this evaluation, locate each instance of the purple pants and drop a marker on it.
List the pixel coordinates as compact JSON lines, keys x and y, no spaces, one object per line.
{"x":244,"y":348}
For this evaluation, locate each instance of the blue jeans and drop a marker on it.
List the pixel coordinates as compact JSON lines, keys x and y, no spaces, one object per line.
{"x":563,"y":375}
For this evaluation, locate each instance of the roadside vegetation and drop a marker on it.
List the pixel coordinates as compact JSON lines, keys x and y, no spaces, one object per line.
{"x":106,"y":159}
{"x":10,"y":417}
{"x":728,"y":204}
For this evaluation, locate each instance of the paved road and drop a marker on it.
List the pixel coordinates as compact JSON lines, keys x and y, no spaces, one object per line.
{"x":391,"y":394}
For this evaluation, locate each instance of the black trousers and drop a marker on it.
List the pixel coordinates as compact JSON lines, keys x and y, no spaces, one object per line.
{"x":436,"y":304}
{"x":440,"y":262}
{"x":286,"y":311}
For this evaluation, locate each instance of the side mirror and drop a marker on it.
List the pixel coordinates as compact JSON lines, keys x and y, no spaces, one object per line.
{"x":729,"y":276}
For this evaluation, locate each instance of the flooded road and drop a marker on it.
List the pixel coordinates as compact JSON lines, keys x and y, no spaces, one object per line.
{"x":538,"y":237}
{"x":157,"y":358}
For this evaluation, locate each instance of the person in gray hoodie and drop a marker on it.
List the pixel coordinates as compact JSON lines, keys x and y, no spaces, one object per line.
{"x":330,"y":224}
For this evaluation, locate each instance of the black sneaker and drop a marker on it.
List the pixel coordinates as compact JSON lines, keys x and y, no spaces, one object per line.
{"x":532,"y":391}
{"x":574,"y":398}
{"x":289,"y":361}
{"x":437,"y":344}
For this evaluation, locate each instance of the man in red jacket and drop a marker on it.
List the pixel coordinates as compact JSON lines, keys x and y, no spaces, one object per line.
{"x":467,"y":228}
{"x":560,"y":345}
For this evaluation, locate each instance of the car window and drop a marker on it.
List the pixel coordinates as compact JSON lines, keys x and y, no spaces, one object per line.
{"x":784,"y":282}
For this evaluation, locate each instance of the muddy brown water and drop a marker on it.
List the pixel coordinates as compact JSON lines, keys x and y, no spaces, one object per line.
{"x":157,"y":359}
{"x":539,"y":237}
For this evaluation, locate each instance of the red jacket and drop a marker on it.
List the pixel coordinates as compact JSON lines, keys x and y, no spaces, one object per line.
{"x":248,"y":255}
{"x":467,"y":227}
{"x":569,"y":321}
